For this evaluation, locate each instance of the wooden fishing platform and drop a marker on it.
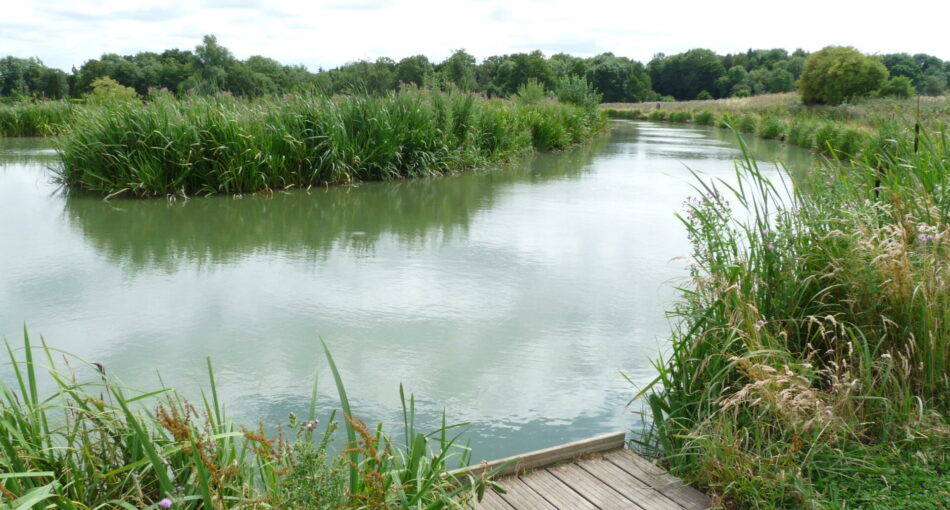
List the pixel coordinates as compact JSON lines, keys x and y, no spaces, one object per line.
{"x":596,"y":473}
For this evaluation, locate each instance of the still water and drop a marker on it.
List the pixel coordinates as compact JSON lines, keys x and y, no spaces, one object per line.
{"x":513,"y":297}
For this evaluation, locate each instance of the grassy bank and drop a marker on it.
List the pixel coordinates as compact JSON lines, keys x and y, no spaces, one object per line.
{"x":226,"y":145}
{"x":42,"y":118}
{"x":844,"y":131}
{"x":94,"y":443}
{"x":811,"y":348}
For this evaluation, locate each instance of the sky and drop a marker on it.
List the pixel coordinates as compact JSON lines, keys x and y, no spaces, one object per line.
{"x":66,"y":33}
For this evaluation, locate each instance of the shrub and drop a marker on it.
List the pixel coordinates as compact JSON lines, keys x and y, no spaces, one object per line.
{"x":898,"y":86}
{"x":657,"y":115}
{"x":704,"y":118}
{"x":680,"y":116}
{"x":771,"y":127}
{"x":746,"y":123}
{"x":577,"y":91}
{"x":839,"y":73}
{"x":703,"y":95}
{"x":107,"y":90}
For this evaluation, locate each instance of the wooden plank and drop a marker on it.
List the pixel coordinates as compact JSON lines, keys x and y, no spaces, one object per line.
{"x":665,"y":483}
{"x":522,"y":497}
{"x":553,"y":490}
{"x":592,"y":488}
{"x":623,"y":482}
{"x":493,"y":501}
{"x":547,"y":456}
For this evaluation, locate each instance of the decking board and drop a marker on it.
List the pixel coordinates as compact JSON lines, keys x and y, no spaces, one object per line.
{"x":595,"y":474}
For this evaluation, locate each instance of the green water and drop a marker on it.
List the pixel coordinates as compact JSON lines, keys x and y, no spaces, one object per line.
{"x":510,"y":297}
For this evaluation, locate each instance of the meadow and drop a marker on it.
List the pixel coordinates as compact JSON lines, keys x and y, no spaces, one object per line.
{"x":810,"y":357}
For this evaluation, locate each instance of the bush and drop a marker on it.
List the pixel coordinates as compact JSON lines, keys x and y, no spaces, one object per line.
{"x":771,"y":127}
{"x":680,"y":117}
{"x":898,"y":86}
{"x":704,"y":118}
{"x":703,"y":95}
{"x":106,"y":90}
{"x":745,"y":123}
{"x":578,"y":91}
{"x":837,"y":74}
{"x":657,"y":115}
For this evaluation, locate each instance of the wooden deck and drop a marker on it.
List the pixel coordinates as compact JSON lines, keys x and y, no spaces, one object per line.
{"x":593,"y":474}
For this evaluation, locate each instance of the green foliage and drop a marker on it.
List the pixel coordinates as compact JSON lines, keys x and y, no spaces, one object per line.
{"x":809,"y":358}
{"x":577,"y":91}
{"x":35,"y":119}
{"x":837,"y":74}
{"x":898,"y":86}
{"x":771,"y":127}
{"x":95,"y":443}
{"x":106,"y":90}
{"x":704,"y":118}
{"x":658,"y":115}
{"x":619,"y":79}
{"x":685,"y":75}
{"x":704,"y":95}
{"x":680,"y":116}
{"x":531,"y":92}
{"x":227,"y":145}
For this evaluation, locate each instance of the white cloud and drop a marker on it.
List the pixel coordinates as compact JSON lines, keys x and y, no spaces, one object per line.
{"x":327,"y":34}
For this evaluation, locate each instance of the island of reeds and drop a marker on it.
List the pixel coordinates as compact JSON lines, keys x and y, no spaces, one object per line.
{"x":206,"y":145}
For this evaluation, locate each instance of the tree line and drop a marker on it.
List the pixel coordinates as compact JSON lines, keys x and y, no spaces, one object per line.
{"x":212,"y":68}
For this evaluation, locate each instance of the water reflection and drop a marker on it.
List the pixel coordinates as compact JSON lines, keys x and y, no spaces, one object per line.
{"x":156,"y":234}
{"x":511,"y":297}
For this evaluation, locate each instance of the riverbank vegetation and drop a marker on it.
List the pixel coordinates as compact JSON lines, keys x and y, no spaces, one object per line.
{"x":92,"y":442}
{"x":810,"y":356}
{"x":206,"y":145}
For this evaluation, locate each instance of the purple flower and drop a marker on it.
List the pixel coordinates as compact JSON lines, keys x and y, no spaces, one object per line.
{"x":925,"y":238}
{"x":311,"y":424}
{"x":761,"y":322}
{"x":165,"y":503}
{"x":770,"y":246}
{"x":827,"y":183}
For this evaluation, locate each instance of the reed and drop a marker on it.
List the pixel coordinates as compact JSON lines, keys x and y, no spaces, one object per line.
{"x":92,"y":442}
{"x":811,"y":350}
{"x":202,"y":146}
{"x":42,"y":118}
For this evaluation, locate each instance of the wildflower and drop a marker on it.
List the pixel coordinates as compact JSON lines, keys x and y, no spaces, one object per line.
{"x":765,"y":231}
{"x":770,"y":246}
{"x":827,"y":183}
{"x":311,"y":424}
{"x":760,"y":323}
{"x":924,"y":238}
{"x":165,"y":503}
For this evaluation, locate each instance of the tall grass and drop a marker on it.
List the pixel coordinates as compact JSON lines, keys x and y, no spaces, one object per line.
{"x":41,"y":118}
{"x":225,"y":145}
{"x":813,"y":338}
{"x":94,"y":443}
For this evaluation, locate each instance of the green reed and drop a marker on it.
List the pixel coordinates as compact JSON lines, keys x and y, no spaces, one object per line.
{"x":91,"y":442}
{"x":42,"y":118}
{"x":813,"y":337}
{"x":225,"y":145}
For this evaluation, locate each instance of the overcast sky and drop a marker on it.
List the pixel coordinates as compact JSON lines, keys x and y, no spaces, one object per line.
{"x":65,"y":33}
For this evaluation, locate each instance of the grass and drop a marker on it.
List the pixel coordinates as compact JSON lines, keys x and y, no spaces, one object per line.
{"x":42,"y":118}
{"x":203,"y":146}
{"x":811,"y":348}
{"x":94,"y":443}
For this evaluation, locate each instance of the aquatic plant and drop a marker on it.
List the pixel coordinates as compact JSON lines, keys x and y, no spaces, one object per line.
{"x":226,"y":145}
{"x":41,"y":118}
{"x":812,"y":344}
{"x":95,"y":443}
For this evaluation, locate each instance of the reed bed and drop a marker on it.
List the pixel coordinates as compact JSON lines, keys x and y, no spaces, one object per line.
{"x":202,"y":146}
{"x":92,"y":442}
{"x":811,"y":348}
{"x":42,"y":118}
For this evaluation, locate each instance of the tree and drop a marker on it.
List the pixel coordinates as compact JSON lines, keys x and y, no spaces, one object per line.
{"x":105,"y":90}
{"x":683,"y":76}
{"x":836,"y":74}
{"x":459,"y":69}
{"x":415,"y":70}
{"x":898,"y":86}
{"x":619,"y":79}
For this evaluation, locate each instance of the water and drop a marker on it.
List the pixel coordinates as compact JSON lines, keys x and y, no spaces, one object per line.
{"x":512,"y":298}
